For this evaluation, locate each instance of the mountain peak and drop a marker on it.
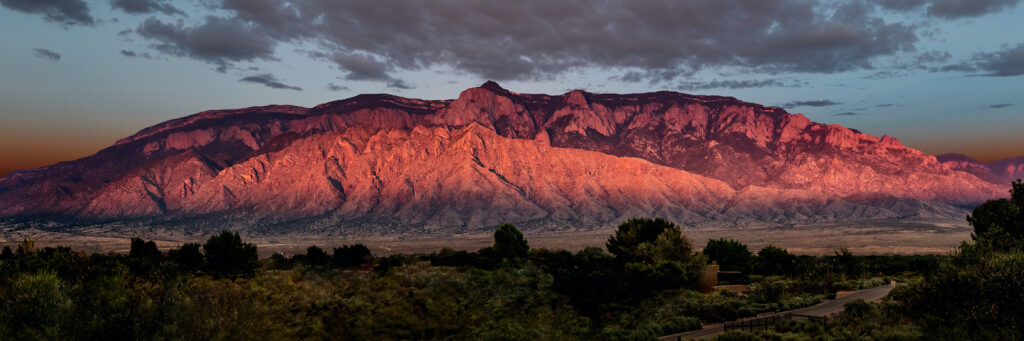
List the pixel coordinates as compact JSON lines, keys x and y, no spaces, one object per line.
{"x":492,"y":85}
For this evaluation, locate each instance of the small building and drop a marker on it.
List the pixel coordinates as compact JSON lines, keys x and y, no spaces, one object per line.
{"x":713,"y":274}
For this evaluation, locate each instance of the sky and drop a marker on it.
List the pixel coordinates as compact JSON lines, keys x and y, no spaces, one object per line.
{"x":943,"y":76}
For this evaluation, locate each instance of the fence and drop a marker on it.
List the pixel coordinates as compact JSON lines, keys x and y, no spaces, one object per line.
{"x":768,"y":321}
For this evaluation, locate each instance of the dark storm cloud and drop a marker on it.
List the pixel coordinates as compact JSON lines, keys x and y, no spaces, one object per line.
{"x":1001,"y":105}
{"x":539,"y":39}
{"x":64,"y":12}
{"x":219,"y":41}
{"x":848,"y":113}
{"x":737,"y":84}
{"x":145,"y":7}
{"x":269,"y":81}
{"x":46,"y":54}
{"x":811,"y":103}
{"x":1003,"y":63}
{"x":950,"y":9}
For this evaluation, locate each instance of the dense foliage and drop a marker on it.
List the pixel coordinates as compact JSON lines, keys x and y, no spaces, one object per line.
{"x":643,"y":288}
{"x":731,"y":255}
{"x":976,"y":293}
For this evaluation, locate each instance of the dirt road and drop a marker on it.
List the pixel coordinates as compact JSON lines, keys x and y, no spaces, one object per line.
{"x":820,"y":310}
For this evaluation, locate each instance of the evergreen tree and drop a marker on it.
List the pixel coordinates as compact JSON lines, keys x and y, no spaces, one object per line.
{"x":731,"y":255}
{"x":509,"y":243}
{"x":649,"y":241}
{"x":227,"y":255}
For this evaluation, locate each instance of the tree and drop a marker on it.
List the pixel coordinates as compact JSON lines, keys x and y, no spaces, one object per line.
{"x":7,"y":253}
{"x":773,"y":260}
{"x":35,"y":306}
{"x":731,"y":255}
{"x":27,"y":246}
{"x":847,"y":263}
{"x":227,"y":255}
{"x":188,"y":257}
{"x":144,"y":256}
{"x":144,"y":250}
{"x":649,"y":241}
{"x":973,"y":295}
{"x":315,"y":256}
{"x":509,"y":243}
{"x":348,"y":256}
{"x":1000,"y":220}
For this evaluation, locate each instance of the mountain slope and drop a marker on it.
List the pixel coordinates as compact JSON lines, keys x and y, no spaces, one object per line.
{"x":382,"y":164}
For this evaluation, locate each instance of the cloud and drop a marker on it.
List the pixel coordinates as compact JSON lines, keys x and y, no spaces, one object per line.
{"x":1003,"y":63}
{"x":145,"y":7}
{"x":847,"y":113}
{"x":219,"y":41}
{"x":950,"y":9}
{"x":883,"y":105}
{"x":811,"y":103}
{"x":362,"y":67}
{"x":336,"y":87}
{"x":540,"y":39}
{"x":1001,"y":105}
{"x":63,"y":12}
{"x":46,"y":54}
{"x":400,"y":84}
{"x":269,"y":81}
{"x":737,"y":84}
{"x":133,"y":54}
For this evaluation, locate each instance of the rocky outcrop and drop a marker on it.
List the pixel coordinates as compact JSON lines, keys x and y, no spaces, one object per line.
{"x":578,"y":160}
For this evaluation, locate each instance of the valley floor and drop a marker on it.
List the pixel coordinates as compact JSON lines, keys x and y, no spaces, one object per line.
{"x":901,"y":237}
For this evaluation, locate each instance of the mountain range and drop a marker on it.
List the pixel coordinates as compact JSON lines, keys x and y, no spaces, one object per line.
{"x":382,"y":164}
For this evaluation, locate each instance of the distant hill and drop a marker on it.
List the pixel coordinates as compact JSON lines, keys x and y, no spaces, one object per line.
{"x":1000,"y":172}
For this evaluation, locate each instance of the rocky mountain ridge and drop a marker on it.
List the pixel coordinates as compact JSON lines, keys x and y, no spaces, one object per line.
{"x":375,"y":163}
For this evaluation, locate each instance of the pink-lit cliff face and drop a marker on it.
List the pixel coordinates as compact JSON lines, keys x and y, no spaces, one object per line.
{"x":379,"y":163}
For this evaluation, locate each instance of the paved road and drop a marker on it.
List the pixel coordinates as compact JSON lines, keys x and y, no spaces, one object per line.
{"x":821,"y":309}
